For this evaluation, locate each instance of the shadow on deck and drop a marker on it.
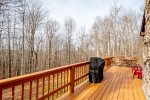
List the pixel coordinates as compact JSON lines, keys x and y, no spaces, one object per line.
{"x":117,"y":84}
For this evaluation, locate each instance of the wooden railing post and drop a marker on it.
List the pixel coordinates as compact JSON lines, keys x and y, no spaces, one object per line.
{"x":0,"y":93}
{"x":72,"y":78}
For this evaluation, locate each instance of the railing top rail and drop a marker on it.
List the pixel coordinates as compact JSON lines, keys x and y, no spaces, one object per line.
{"x":38,"y":74}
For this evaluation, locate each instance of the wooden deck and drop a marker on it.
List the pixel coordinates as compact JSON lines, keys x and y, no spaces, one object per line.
{"x":117,"y":84}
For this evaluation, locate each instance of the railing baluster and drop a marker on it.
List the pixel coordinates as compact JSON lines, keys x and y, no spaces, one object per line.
{"x":37,"y":88}
{"x":22,"y":91}
{"x":53,"y":83}
{"x":12,"y":95}
{"x":72,"y":73}
{"x":60,"y":82}
{"x":85,"y":71}
{"x":82,"y":73}
{"x":76,"y":71}
{"x":48,"y":81}
{"x":61,"y":79}
{"x":64,"y":80}
{"x":57,"y":83}
{"x":67,"y":79}
{"x":77,"y":74}
{"x":43,"y":85}
{"x":69,"y":76}
{"x":30,"y":90}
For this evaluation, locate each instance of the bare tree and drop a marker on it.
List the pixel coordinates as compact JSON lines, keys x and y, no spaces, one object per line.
{"x":35,"y":17}
{"x":96,"y":31}
{"x":51,"y":30}
{"x":22,"y":10}
{"x":69,"y":29}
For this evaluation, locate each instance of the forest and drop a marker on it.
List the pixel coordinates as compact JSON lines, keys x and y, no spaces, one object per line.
{"x":30,"y":40}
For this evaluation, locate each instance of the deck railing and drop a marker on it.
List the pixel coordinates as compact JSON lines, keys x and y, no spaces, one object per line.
{"x":48,"y":84}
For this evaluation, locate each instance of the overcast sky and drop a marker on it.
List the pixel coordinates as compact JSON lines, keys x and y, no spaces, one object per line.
{"x":85,"y":11}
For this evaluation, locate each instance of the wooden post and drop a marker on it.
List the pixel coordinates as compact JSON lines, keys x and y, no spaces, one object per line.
{"x":12,"y":94}
{"x":72,"y":74}
{"x":0,"y":94}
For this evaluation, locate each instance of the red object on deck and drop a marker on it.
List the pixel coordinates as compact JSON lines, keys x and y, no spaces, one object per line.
{"x":138,"y":72}
{"x":134,"y":68}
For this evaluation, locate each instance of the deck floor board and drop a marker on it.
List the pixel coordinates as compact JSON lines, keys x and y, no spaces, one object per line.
{"x":117,"y":84}
{"x":108,"y":84}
